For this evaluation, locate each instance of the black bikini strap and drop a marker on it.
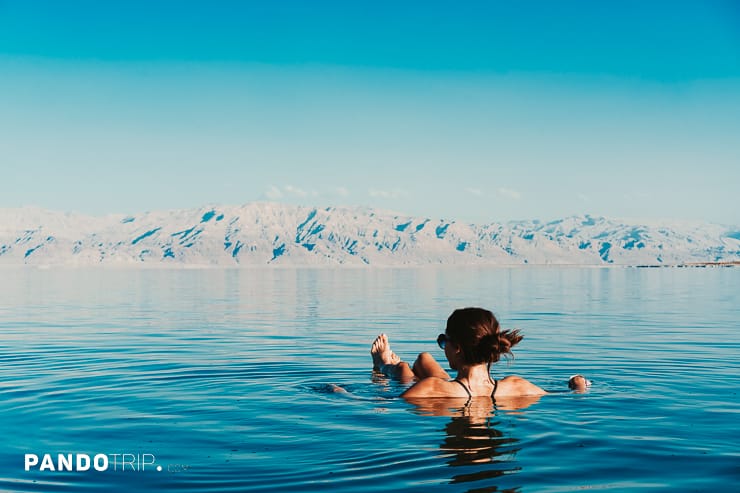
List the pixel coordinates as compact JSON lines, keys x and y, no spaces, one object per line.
{"x":470,"y":396}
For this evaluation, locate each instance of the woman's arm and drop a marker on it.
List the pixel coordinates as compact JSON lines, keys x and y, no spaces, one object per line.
{"x":434,"y":387}
{"x":513,"y":386}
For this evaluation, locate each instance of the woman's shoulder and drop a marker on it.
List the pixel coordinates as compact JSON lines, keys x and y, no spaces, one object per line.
{"x":514,"y":385}
{"x":435,"y":387}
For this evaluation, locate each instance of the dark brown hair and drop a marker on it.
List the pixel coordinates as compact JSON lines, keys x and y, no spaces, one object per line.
{"x":479,"y":336}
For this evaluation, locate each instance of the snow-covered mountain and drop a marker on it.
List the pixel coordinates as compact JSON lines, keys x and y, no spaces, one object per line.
{"x":270,"y":233}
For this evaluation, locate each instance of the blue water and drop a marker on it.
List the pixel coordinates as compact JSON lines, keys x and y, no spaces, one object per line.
{"x":226,"y":378}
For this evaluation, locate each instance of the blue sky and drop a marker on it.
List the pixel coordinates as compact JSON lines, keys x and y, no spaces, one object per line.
{"x":478,"y":111}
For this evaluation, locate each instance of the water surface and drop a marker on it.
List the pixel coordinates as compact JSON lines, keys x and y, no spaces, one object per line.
{"x":226,"y":377}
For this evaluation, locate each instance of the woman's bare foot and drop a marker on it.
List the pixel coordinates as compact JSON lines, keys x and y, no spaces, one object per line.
{"x":382,"y":354}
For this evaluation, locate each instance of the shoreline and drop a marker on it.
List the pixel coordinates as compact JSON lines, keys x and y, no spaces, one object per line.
{"x":183,"y":267}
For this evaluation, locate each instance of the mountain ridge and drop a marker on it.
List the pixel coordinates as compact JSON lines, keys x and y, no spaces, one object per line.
{"x":265,"y":233}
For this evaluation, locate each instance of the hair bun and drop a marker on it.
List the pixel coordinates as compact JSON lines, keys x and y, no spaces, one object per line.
{"x":489,"y":348}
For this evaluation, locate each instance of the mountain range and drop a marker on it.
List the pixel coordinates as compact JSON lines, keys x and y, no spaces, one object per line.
{"x":279,"y":234}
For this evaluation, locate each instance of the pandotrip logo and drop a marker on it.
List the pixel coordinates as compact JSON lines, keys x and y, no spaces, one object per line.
{"x":100,"y":462}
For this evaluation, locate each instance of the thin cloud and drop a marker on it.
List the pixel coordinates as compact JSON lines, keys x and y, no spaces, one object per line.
{"x":475,"y":191}
{"x":295,"y":191}
{"x":274,"y":193}
{"x":387,"y":194}
{"x":288,"y":191}
{"x":509,"y":193}
{"x":341,"y":191}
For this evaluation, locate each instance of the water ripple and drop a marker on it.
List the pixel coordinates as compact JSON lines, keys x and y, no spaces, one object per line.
{"x":243,"y":381}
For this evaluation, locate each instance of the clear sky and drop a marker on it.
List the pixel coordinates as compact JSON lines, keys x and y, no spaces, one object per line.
{"x":479,"y":111}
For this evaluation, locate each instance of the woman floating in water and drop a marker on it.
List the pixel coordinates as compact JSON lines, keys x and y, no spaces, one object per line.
{"x":472,"y":342}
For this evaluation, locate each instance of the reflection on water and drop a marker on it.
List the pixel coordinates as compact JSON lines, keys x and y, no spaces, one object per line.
{"x":473,"y":439}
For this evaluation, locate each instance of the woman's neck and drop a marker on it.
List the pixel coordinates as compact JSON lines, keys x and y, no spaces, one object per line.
{"x":474,"y":374}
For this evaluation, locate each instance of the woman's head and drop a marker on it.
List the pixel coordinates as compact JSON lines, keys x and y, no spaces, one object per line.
{"x":476,"y":332}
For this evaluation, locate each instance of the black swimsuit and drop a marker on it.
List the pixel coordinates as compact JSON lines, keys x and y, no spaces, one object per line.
{"x":470,"y":396}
